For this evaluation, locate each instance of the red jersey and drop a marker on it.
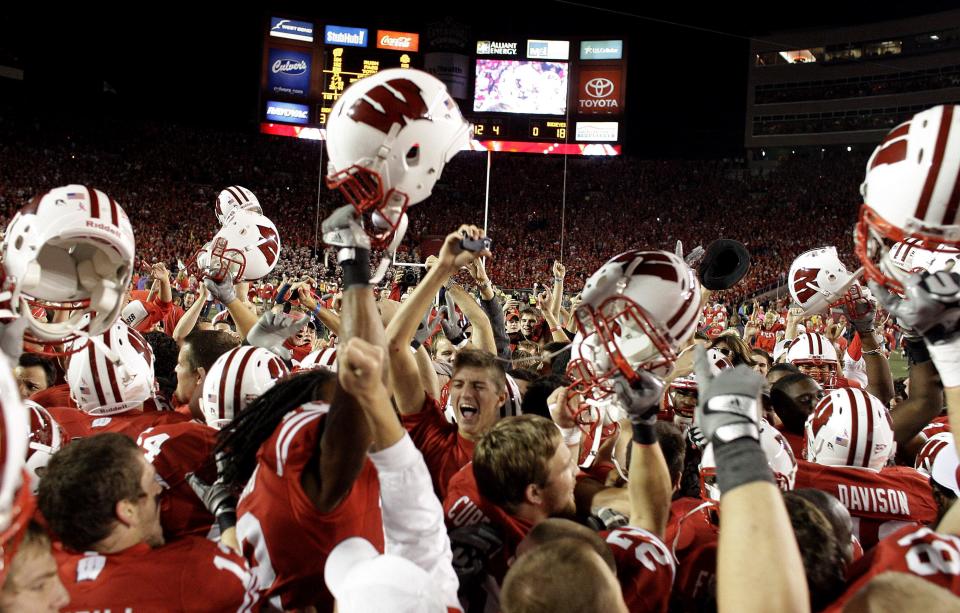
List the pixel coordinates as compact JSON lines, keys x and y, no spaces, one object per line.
{"x":175,"y":451}
{"x":54,"y":396}
{"x":916,"y":551}
{"x":283,"y":536}
{"x":191,"y":574}
{"x":937,"y":426}
{"x":692,"y":534}
{"x":796,"y":442}
{"x":444,"y":450}
{"x":77,"y":424}
{"x":766,"y":339}
{"x":645,"y":568}
{"x":465,"y":506}
{"x":880,"y":503}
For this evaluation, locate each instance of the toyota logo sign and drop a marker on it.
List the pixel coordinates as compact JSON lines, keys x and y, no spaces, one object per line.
{"x":599,"y":87}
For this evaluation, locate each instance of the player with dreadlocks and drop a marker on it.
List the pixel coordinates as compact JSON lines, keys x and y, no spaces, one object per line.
{"x":300,"y":454}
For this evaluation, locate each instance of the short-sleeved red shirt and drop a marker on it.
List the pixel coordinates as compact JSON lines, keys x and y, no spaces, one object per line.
{"x":444,"y":450}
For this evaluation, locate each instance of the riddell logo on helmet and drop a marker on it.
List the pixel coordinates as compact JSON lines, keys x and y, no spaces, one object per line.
{"x":103,"y":226}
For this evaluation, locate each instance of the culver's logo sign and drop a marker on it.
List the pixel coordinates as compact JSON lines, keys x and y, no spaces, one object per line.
{"x":289,"y":72}
{"x":290,"y":67}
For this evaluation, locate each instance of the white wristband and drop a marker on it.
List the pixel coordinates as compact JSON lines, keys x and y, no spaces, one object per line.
{"x":571,"y":436}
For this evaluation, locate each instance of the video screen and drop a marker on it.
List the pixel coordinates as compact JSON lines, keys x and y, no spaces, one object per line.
{"x":512,"y":86}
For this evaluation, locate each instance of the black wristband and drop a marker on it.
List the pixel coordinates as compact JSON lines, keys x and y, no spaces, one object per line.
{"x":644,"y":434}
{"x":916,"y":351}
{"x":356,"y":271}
{"x":415,"y":344}
{"x":226,"y":520}
{"x":740,"y":462}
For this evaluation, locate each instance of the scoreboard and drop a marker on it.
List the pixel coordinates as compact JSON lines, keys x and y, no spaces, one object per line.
{"x":307,"y":66}
{"x":521,"y":94}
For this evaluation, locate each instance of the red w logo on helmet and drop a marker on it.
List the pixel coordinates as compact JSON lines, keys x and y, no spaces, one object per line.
{"x":802,"y":282}
{"x":822,"y":414}
{"x":398,"y":101}
{"x":893,"y":149}
{"x":270,"y":245}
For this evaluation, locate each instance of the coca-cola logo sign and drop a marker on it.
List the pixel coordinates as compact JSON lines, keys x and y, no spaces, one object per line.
{"x":398,"y":41}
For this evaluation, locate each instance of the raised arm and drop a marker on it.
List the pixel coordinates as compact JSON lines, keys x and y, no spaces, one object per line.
{"x":492,"y":307}
{"x":189,"y":320}
{"x":862,"y":313}
{"x":482,"y":337}
{"x":556,"y":333}
{"x":758,"y":562}
{"x":556,"y":298}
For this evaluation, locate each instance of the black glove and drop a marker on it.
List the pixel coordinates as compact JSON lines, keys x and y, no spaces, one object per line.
{"x":218,"y":498}
{"x":641,"y":401}
{"x":472,"y":546}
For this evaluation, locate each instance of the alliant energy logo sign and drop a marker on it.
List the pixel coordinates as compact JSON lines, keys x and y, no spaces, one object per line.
{"x":600,"y":92}
{"x":398,"y":41}
{"x":491,"y":47}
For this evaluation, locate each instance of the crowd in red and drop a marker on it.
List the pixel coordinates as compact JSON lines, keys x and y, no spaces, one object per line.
{"x":168,"y":176}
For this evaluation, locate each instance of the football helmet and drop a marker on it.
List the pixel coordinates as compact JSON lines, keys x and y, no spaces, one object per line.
{"x":235,"y":380}
{"x":46,"y":438}
{"x":246,"y":248}
{"x":70,"y":249}
{"x":388,"y":137}
{"x":115,"y":374}
{"x":849,"y":427}
{"x":134,"y":313}
{"x":680,"y":398}
{"x":321,"y":358}
{"x":638,"y":310}
{"x":816,"y":356}
{"x":780,"y":458}
{"x":935,"y":445}
{"x":235,"y":198}
{"x":819,"y":280}
{"x":911,"y":191}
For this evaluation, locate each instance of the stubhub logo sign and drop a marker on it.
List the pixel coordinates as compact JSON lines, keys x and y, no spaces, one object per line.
{"x":345,"y":37}
{"x":287,"y":112}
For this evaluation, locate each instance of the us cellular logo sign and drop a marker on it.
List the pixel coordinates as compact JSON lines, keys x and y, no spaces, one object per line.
{"x":345,"y":37}
{"x":287,"y":112}
{"x":289,"y":28}
{"x":288,"y":72}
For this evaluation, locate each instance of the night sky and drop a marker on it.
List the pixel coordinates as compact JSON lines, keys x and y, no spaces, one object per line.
{"x":686,"y":87}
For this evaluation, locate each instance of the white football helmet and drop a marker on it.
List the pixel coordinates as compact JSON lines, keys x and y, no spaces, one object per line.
{"x":935,"y":445}
{"x":638,"y":310}
{"x":680,"y":397}
{"x":780,"y":458}
{"x":910,"y":191}
{"x":70,"y":249}
{"x":233,"y":198}
{"x":816,"y":356}
{"x":388,"y":137}
{"x":819,"y":280}
{"x":321,"y":358}
{"x":46,"y":438}
{"x":114,"y":374}
{"x":850,"y":427}
{"x":246,"y":248}
{"x":236,"y":379}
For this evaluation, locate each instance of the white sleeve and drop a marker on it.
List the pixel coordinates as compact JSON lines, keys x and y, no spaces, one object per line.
{"x":412,"y":515}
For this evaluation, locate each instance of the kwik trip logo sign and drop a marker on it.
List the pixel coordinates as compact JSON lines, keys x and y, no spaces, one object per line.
{"x":398,"y":41}
{"x":488,"y":47}
{"x":600,"y":92}
{"x":345,"y":37}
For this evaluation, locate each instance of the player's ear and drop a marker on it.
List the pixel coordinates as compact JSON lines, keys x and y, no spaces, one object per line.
{"x":125,"y":512}
{"x":533,"y":494}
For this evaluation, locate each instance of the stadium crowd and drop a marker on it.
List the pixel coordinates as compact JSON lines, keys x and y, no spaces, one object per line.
{"x":197,"y":414}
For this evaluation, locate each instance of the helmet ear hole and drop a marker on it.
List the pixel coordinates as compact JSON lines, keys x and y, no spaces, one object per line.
{"x":413,"y":155}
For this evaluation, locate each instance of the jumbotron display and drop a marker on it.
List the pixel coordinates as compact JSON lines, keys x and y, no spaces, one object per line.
{"x":522,"y":95}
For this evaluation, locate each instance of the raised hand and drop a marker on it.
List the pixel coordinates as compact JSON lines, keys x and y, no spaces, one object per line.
{"x":729,"y":402}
